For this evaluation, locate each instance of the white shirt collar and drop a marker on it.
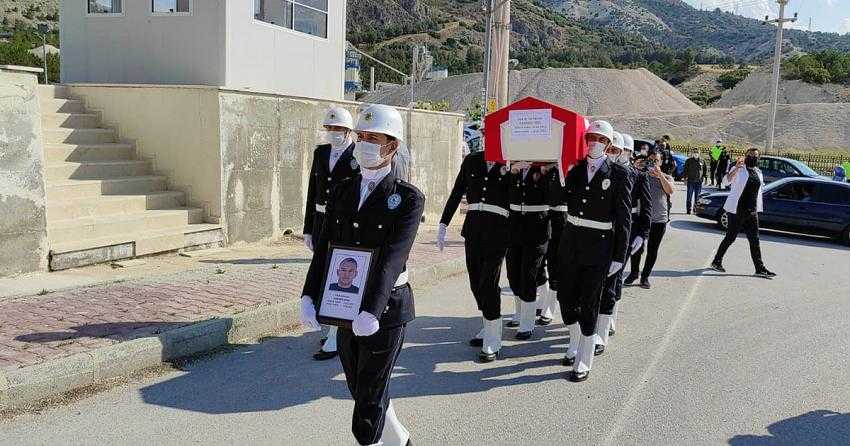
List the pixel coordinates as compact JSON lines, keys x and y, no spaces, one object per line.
{"x":593,"y":166}
{"x":373,"y":177}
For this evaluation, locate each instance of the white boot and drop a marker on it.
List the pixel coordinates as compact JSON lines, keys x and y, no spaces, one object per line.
{"x":603,"y":322}
{"x":480,"y":334}
{"x":613,"y":326}
{"x":492,"y":340}
{"x":330,"y":344}
{"x":514,"y":322}
{"x":575,"y":338}
{"x":545,"y":301}
{"x":394,"y":434}
{"x":528,"y":313}
{"x":584,"y":355}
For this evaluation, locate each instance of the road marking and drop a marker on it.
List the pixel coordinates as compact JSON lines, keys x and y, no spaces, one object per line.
{"x":629,"y":406}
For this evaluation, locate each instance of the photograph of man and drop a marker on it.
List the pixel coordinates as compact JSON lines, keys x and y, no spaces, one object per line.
{"x":346,"y":272}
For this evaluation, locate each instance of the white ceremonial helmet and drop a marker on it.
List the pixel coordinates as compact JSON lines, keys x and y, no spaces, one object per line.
{"x":628,"y":142}
{"x":602,"y":128}
{"x":339,"y":117}
{"x":378,"y":118}
{"x":617,"y":140}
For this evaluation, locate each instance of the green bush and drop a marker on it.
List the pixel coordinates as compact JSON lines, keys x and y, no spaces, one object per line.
{"x":731,"y":78}
{"x":819,"y":68}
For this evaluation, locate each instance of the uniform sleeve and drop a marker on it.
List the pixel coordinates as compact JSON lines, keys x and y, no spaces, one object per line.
{"x":313,"y":282}
{"x":645,"y":215}
{"x":393,"y":256}
{"x":311,"y":197}
{"x":622,"y":215}
{"x":456,"y":194}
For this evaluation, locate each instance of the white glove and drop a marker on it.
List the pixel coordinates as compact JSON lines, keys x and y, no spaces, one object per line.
{"x":308,"y":315}
{"x":365,"y":324}
{"x":636,"y":244}
{"x":308,"y":241}
{"x":441,"y":237}
{"x":615,"y":268}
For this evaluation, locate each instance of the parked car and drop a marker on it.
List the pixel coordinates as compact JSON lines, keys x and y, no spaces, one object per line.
{"x":796,"y":204}
{"x":775,"y":168}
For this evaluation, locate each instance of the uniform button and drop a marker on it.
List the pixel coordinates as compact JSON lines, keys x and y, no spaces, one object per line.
{"x":329,"y":178}
{"x":587,"y":188}
{"x":357,"y":243}
{"x":584,"y":200}
{"x":484,"y":188}
{"x":356,"y":225}
{"x":486,"y":178}
{"x":581,"y":213}
{"x":380,"y":226}
{"x":327,"y":191}
{"x":603,"y":236}
{"x":483,"y":198}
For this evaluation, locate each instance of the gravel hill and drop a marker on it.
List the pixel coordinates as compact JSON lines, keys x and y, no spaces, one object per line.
{"x":755,"y":90}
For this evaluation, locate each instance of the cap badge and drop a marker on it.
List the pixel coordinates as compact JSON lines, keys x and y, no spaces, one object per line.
{"x":393,"y":201}
{"x":606,"y":183}
{"x":354,"y":164}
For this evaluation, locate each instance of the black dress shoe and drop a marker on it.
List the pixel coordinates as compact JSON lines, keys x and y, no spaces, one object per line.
{"x":644,"y":283}
{"x":611,"y":332}
{"x":323,"y":340}
{"x":524,"y":335}
{"x":767,"y":274}
{"x":512,"y":324}
{"x":630,"y":279}
{"x":538,"y":312}
{"x":476,"y":342}
{"x":598,"y":350}
{"x":566,"y":362}
{"x":543,"y":321}
{"x":322,"y":355}
{"x":488,"y":357}
{"x":578,"y":377}
{"x":717,"y":266}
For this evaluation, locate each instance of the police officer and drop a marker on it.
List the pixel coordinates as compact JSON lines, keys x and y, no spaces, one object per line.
{"x":620,"y":152}
{"x":556,"y":200}
{"x":332,"y":163}
{"x":530,"y":232}
{"x":594,"y":243}
{"x":486,"y":234}
{"x":372,"y":210}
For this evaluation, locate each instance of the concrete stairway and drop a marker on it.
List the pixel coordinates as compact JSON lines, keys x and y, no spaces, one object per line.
{"x":102,"y":203}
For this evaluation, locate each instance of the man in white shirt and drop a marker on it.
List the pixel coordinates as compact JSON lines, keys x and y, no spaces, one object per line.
{"x":742,"y":207}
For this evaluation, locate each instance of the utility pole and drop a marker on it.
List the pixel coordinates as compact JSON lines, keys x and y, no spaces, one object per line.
{"x":44,"y":29}
{"x":777,"y":62}
{"x":500,"y":37}
{"x":487,"y":8}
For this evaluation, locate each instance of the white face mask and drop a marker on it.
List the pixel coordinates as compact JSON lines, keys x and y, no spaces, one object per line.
{"x":613,"y":158}
{"x":624,"y":158}
{"x":368,"y":154}
{"x":335,"y":139}
{"x":596,"y":149}
{"x":695,"y":155}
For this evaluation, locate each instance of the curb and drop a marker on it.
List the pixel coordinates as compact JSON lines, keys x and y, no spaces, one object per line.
{"x":28,"y":385}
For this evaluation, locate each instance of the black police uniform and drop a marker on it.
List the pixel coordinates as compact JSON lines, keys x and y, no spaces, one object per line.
{"x":321,"y":180}
{"x":530,"y":232}
{"x":556,"y":199}
{"x":387,"y":220}
{"x":485,"y":231}
{"x":641,"y":211}
{"x":596,"y":234}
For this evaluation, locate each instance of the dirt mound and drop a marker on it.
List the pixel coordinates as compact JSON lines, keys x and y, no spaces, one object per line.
{"x":755,"y":90}
{"x":798,"y":126}
{"x":591,"y":91}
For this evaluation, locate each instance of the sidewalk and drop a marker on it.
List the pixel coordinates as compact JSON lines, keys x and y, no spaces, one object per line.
{"x":39,"y":329}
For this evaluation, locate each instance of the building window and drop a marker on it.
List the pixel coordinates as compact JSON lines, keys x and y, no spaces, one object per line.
{"x":306,"y":16}
{"x":105,"y":7}
{"x":166,"y":7}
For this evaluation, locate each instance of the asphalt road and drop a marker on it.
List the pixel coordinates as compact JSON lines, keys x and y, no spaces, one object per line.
{"x":702,"y":358}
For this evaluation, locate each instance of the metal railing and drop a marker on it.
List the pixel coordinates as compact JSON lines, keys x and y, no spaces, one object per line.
{"x":821,"y":163}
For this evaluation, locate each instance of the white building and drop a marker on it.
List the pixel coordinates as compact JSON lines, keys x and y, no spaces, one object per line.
{"x":290,"y":47}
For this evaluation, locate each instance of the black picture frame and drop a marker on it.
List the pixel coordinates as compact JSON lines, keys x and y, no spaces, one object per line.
{"x":333,"y":301}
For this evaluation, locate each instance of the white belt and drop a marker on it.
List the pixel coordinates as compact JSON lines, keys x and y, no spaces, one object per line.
{"x":402,"y":280}
{"x":592,"y":224}
{"x":321,"y":208}
{"x":635,"y":210}
{"x":561,"y":208}
{"x":484,"y":207}
{"x":529,"y":208}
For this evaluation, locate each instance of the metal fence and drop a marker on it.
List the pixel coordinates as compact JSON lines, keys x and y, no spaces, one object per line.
{"x":821,"y":163}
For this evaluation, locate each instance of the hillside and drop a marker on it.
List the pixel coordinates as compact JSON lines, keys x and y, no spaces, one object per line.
{"x":28,"y":13}
{"x":755,"y":90}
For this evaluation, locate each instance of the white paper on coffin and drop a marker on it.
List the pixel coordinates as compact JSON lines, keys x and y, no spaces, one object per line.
{"x":536,"y":148}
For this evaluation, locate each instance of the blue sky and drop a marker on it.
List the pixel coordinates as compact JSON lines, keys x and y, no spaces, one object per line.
{"x":826,"y":15}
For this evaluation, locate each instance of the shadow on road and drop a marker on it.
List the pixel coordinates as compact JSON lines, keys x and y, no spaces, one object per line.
{"x":765,"y":235}
{"x":280,"y":372}
{"x":815,"y":428}
{"x":118,"y":331}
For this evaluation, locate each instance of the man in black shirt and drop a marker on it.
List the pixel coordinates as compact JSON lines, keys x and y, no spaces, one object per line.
{"x":742,"y":206}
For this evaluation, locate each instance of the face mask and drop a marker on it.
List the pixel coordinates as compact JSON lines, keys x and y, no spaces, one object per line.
{"x":596,"y":150}
{"x":613,"y":158}
{"x":695,"y":155}
{"x":751,"y":161}
{"x":335,"y":139}
{"x":368,"y":154}
{"x":624,"y":158}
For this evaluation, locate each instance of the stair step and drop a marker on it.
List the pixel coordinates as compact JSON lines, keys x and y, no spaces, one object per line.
{"x":70,"y":120}
{"x":61,"y":106}
{"x":72,"y":189}
{"x":110,"y":226}
{"x":123,"y":246}
{"x":88,"y":152}
{"x":78,"y":136}
{"x":52,"y":92}
{"x":114,"y":205}
{"x":96,"y":170}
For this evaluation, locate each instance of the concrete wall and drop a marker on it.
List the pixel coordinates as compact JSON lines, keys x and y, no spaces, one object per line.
{"x":23,"y":233}
{"x":267,"y":143}
{"x":266,"y":57}
{"x":137,"y":47}
{"x":176,"y":128}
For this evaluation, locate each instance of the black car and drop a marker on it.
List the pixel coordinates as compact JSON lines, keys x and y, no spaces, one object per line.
{"x":776,"y":168}
{"x":798,"y":204}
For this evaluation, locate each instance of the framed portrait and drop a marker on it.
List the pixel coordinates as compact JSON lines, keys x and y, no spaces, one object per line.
{"x":345,"y":283}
